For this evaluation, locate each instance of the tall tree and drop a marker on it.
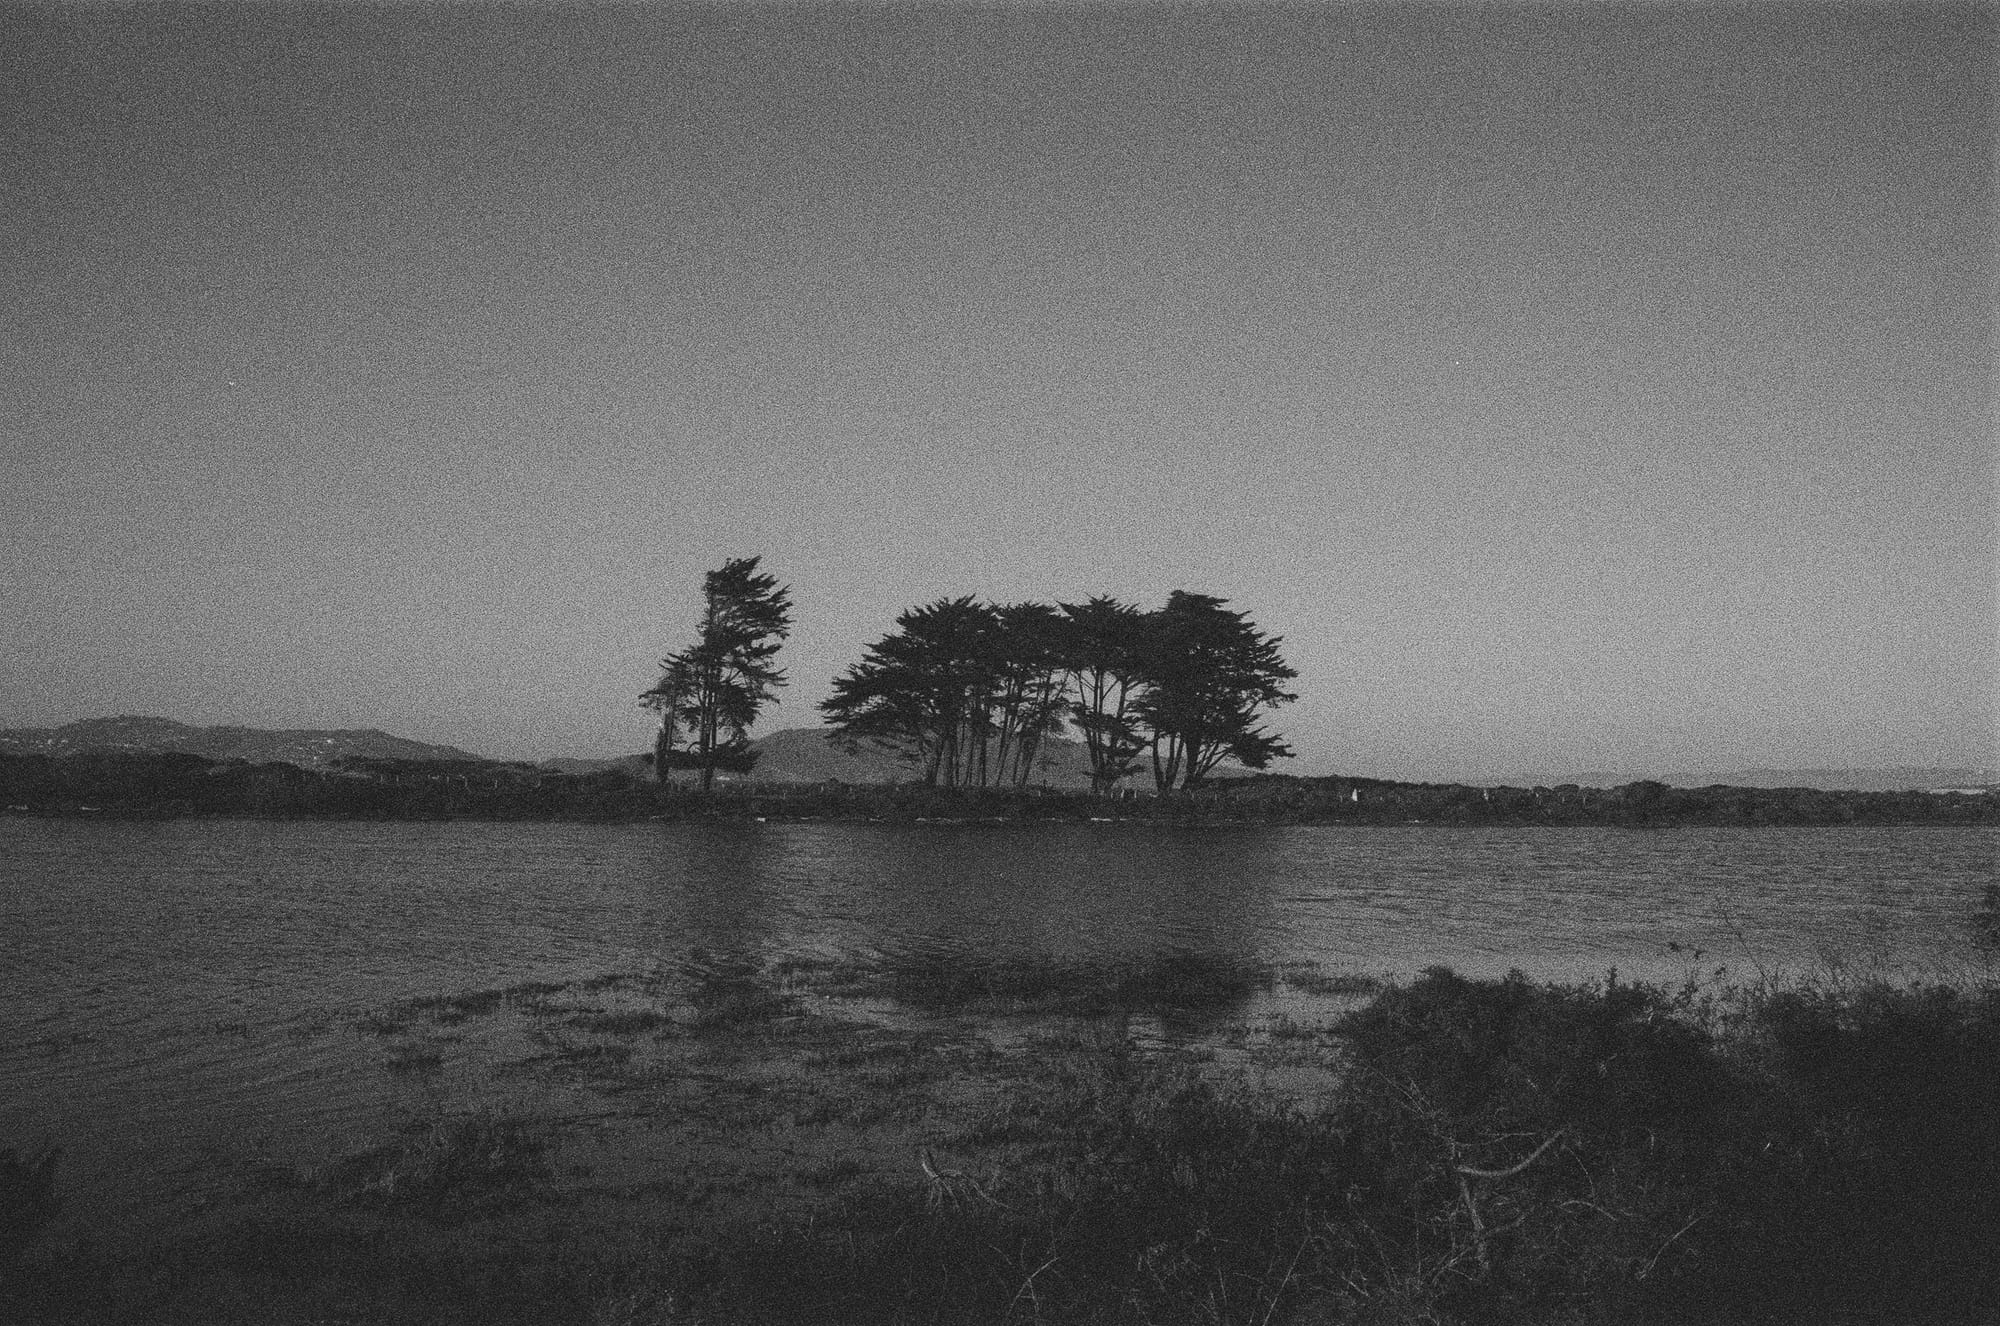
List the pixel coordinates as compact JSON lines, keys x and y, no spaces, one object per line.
{"x":1025,"y":655}
{"x":924,"y":692}
{"x":711,"y":692}
{"x":1100,"y":650}
{"x":1208,"y":674}
{"x":966,"y":692}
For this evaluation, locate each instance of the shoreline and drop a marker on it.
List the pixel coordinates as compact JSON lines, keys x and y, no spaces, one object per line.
{"x":186,"y":786}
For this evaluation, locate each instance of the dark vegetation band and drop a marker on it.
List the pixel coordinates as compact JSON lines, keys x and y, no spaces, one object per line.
{"x":164,"y":784}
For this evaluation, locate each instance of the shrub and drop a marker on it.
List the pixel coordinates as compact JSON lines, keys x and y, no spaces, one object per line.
{"x":1884,"y":1178}
{"x":1537,"y":1146}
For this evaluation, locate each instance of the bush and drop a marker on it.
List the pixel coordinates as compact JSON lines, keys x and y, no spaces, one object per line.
{"x":1562,"y":1150}
{"x":1884,"y":1186}
{"x":1536,"y":1146}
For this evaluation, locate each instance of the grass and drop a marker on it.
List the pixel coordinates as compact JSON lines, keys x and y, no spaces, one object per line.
{"x":461,"y":1006}
{"x":1498,"y":1152}
{"x":621,"y":1022}
{"x":1310,"y":980}
{"x":963,"y":982}
{"x":1506,"y":1153}
{"x":446,"y":1170}
{"x":720,"y":1012}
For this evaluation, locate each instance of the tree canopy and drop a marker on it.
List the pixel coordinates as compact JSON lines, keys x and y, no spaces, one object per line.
{"x":1207,"y":673}
{"x":1101,"y":654}
{"x":710,"y":693}
{"x":968,"y":692}
{"x":962,"y":690}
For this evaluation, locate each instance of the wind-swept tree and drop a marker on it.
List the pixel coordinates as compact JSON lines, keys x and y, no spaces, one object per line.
{"x":710,"y":693}
{"x":964,"y":691}
{"x":1208,"y":675}
{"x":1025,"y":653}
{"x":1100,"y":650}
{"x":922,"y":693}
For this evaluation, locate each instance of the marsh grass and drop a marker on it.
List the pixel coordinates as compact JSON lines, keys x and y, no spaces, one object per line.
{"x":833,"y":978}
{"x":620,"y":1022}
{"x":965,"y":982}
{"x":1498,"y":1153}
{"x":447,"y":1010}
{"x":739,"y":1011}
{"x":1310,"y":980}
{"x":1505,"y":1152}
{"x":447,"y":1169}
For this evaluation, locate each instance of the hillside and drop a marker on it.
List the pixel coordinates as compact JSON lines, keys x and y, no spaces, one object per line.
{"x":1840,"y":780}
{"x":308,"y":748}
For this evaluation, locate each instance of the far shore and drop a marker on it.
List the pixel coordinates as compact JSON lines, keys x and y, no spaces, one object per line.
{"x":175,"y":785}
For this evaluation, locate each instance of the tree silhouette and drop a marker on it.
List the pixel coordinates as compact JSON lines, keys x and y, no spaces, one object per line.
{"x":967,"y":692}
{"x":710,"y":693}
{"x":1100,"y":650}
{"x":1025,"y":653}
{"x":1208,"y":673}
{"x":923,"y":693}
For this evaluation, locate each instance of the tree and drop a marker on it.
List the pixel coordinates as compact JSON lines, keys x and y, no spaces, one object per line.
{"x":923,"y":692}
{"x":964,"y":691}
{"x":1100,"y":650}
{"x":1025,"y":655}
{"x":1207,"y":674}
{"x":710,"y":693}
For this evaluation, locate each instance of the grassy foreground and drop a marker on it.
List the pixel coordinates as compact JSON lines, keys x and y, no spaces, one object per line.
{"x":1493,"y":1152}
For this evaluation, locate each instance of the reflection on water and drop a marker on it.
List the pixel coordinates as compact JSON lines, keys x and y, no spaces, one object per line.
{"x":178,"y":986}
{"x":1057,"y":891}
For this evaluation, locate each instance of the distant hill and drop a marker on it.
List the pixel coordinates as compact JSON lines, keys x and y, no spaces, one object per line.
{"x":636,"y":764}
{"x":1841,"y":780}
{"x":1901,"y":779}
{"x":307,"y":748}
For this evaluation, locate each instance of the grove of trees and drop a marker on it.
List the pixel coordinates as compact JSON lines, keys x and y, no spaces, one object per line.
{"x":968,"y":691}
{"x":710,"y":693}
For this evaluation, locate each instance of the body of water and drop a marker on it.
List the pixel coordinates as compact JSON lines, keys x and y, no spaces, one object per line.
{"x":181,"y":995}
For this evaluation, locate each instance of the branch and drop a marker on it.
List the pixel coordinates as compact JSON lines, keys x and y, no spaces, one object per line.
{"x":1647,"y":1269}
{"x":1512,"y":1170}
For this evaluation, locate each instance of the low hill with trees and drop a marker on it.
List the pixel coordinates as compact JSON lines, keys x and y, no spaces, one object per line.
{"x":305,"y":747}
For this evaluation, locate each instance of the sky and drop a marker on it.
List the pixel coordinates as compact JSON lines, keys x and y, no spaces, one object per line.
{"x":1572,"y":387}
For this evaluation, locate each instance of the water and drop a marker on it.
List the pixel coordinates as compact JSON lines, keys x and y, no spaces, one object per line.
{"x":181,"y":996}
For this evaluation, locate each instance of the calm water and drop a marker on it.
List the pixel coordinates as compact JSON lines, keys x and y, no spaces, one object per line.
{"x":177,"y":993}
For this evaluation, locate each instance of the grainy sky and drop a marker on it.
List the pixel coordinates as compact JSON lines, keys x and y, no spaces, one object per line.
{"x":1572,"y":386}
